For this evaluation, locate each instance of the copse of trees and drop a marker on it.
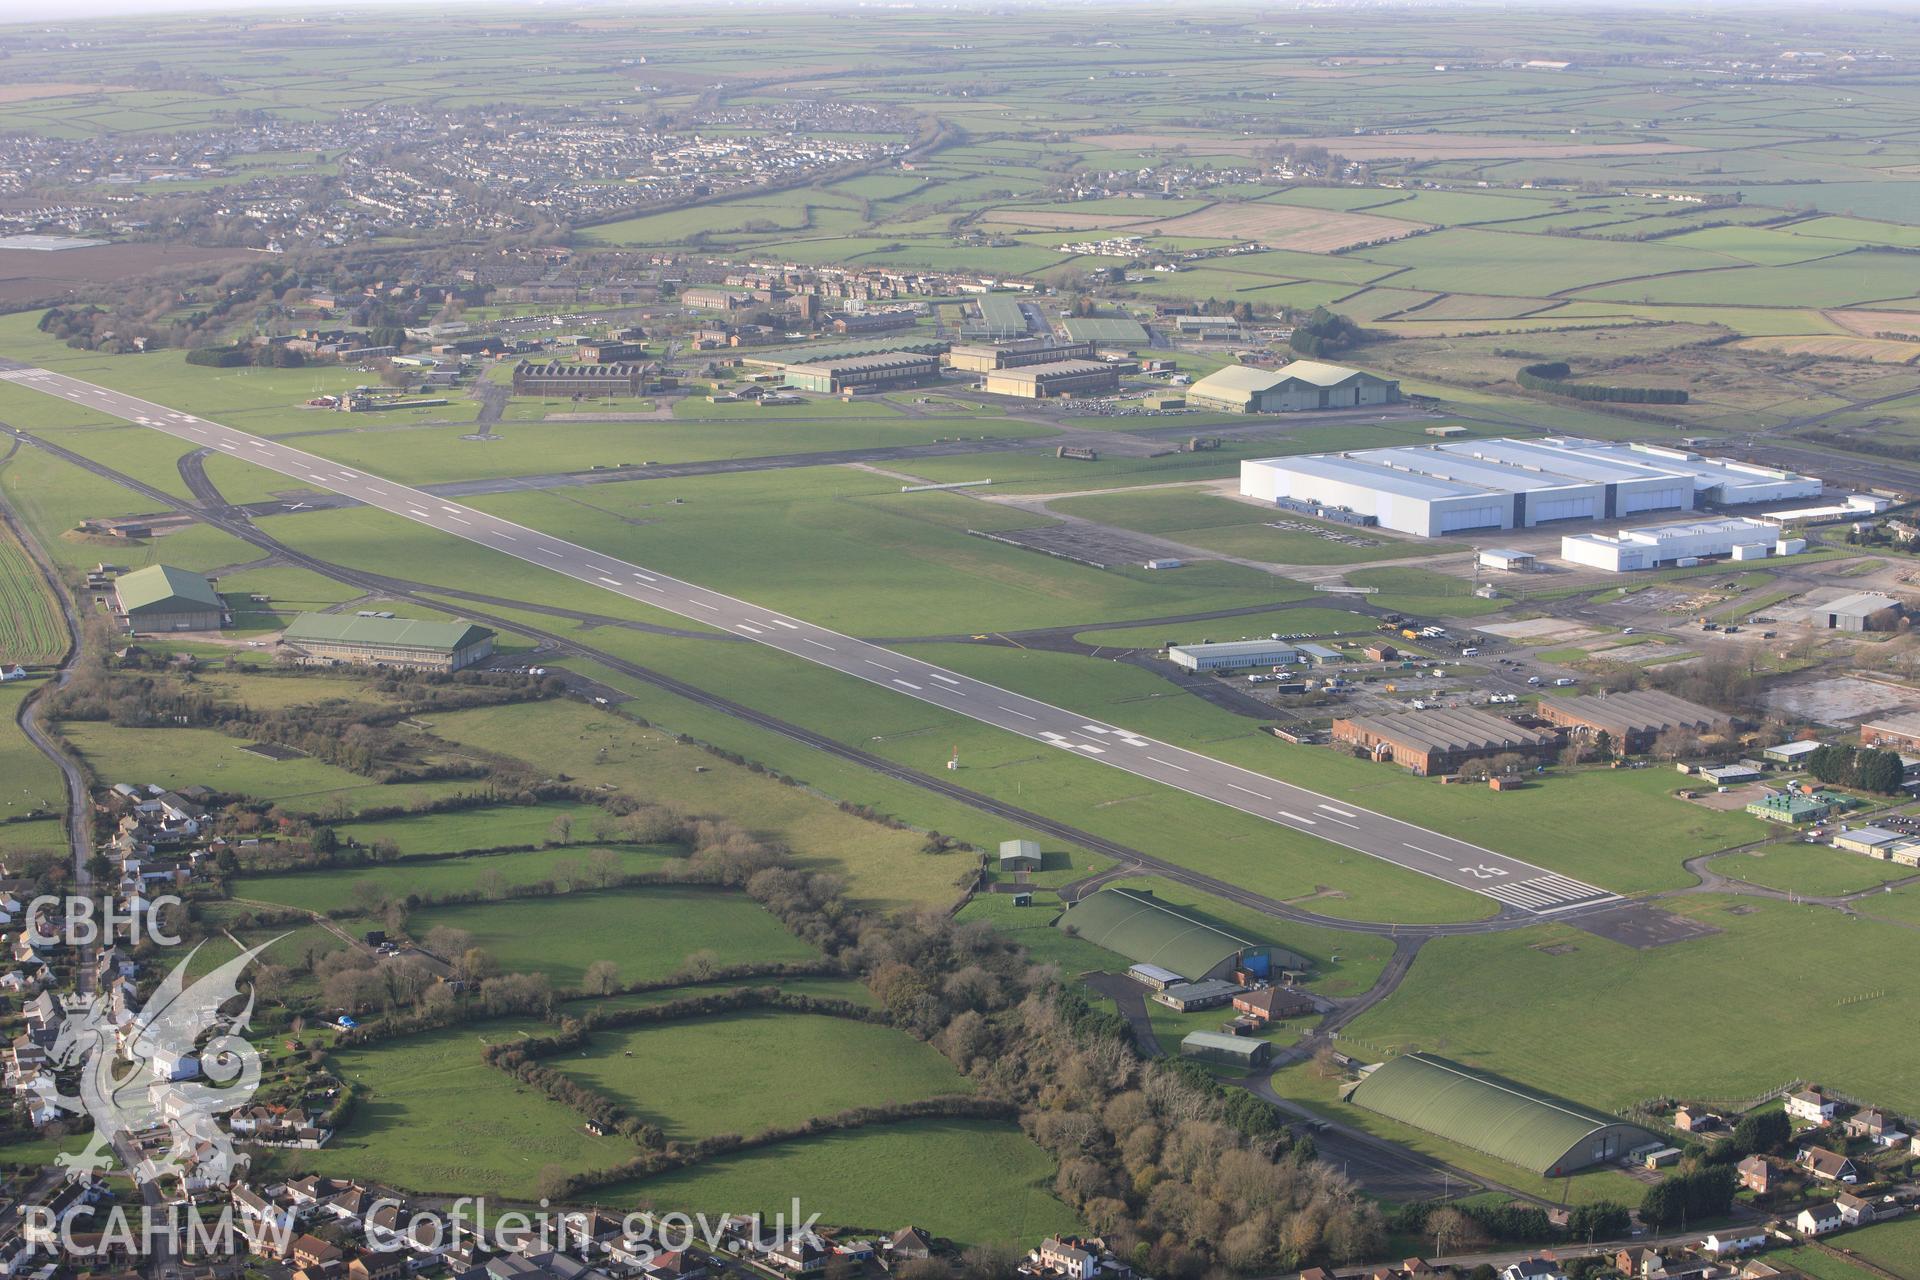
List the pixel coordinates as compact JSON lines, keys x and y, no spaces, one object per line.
{"x":1551,"y":377}
{"x":1863,"y":769}
{"x":1691,"y":1195}
{"x":1323,"y":333}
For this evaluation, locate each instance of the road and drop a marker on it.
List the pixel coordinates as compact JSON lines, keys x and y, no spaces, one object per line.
{"x":79,"y":804}
{"x":1509,"y":881}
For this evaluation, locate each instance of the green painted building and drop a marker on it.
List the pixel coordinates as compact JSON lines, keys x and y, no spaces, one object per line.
{"x":1792,"y":807}
{"x":162,"y":598}
{"x":1135,"y":924}
{"x":1477,"y":1109}
{"x":387,"y":642}
{"x":1227,"y":1051}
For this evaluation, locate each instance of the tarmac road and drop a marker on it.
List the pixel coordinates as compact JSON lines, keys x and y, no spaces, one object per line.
{"x":1511,"y":882}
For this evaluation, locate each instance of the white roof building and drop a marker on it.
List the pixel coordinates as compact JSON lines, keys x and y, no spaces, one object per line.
{"x":1480,"y":484}
{"x":1683,"y":543}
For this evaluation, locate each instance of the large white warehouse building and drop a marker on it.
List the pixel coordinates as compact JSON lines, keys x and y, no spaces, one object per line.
{"x":1474,"y":485}
{"x":1686,"y":543}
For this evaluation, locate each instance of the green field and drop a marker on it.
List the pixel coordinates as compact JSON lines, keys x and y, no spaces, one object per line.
{"x":1772,"y":990}
{"x":31,"y":628}
{"x":1810,"y":869}
{"x":748,"y":1071}
{"x":488,"y":827}
{"x":183,"y":757}
{"x":883,"y":866}
{"x":29,"y":782}
{"x":971,"y":1181}
{"x":335,"y":890}
{"x":648,"y":933}
{"x":438,"y":1118}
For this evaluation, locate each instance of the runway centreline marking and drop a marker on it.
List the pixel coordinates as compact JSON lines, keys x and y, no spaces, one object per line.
{"x":285,"y":460}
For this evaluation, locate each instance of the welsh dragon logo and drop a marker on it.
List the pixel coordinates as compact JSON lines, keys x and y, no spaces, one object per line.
{"x":131,"y":1109}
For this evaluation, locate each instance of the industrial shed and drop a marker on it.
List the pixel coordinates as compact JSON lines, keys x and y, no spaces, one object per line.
{"x":388,"y":642}
{"x":1441,"y":740}
{"x":987,"y":357}
{"x":1633,"y":719}
{"x":1488,"y":1113}
{"x":163,"y":598}
{"x":1304,"y":384}
{"x":1054,"y":378}
{"x":1230,"y":655}
{"x":1139,"y":926}
{"x":1859,"y":611}
{"x":884,"y":369}
{"x":1462,"y":485}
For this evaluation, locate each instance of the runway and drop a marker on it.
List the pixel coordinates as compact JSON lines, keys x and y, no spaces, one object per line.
{"x":1509,"y":881}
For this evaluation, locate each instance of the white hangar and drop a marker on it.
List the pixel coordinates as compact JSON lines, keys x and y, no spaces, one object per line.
{"x":1473,"y":485}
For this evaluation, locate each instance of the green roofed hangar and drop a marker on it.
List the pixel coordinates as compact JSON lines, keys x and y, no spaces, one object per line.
{"x":1491,"y":1114}
{"x":387,"y":642}
{"x":163,"y":598}
{"x":1135,"y":924}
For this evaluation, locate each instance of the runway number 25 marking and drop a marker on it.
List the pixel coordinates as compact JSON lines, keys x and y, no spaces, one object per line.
{"x":1482,"y":872}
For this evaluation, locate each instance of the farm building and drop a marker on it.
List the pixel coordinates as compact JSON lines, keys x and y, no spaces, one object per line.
{"x":1632,"y":720}
{"x":1439,"y":741}
{"x":1232,"y":655}
{"x":1139,"y":926}
{"x":553,"y":378}
{"x":388,"y":642}
{"x":1858,"y":611}
{"x":846,"y":373}
{"x":1684,"y":543}
{"x":986,"y":357}
{"x":1056,"y":378}
{"x":163,"y":598}
{"x":1896,"y":733}
{"x":1304,"y":384}
{"x":1461,"y":485}
{"x":1488,"y":1113}
{"x":1019,"y":855}
{"x":1228,"y":1051}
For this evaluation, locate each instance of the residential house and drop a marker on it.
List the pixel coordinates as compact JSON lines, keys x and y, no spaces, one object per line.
{"x":44,"y":1014}
{"x":1540,"y":1267}
{"x":1068,"y":1257}
{"x":1877,"y":1127}
{"x":1828,"y":1166}
{"x":1640,"y":1262}
{"x":675,"y":1264}
{"x":378,"y":1264}
{"x":909,"y":1244}
{"x":801,"y":1254}
{"x":1812,"y":1106}
{"x":1818,"y":1219}
{"x":1756,"y":1174}
{"x":1854,"y":1211}
{"x":1695,"y":1120}
{"x":311,"y":1251}
{"x":1734,"y":1240}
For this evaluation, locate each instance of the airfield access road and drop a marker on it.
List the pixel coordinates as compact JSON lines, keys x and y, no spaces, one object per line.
{"x":1515,"y":884}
